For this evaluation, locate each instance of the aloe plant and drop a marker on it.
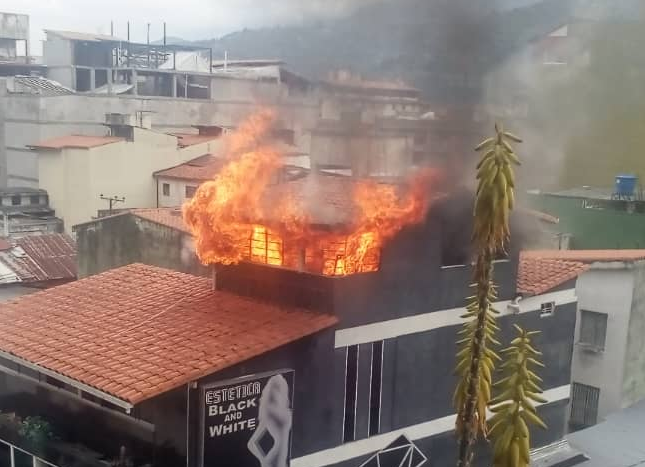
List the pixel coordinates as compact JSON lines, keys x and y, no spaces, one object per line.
{"x":475,"y":359}
{"x":514,"y":408}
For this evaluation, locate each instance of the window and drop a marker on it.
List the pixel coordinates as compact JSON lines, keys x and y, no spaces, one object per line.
{"x":351,"y":387}
{"x":375,"y":389}
{"x":16,"y":200}
{"x":165,"y":188}
{"x":547,"y":309}
{"x":34,"y":199}
{"x":593,"y":329}
{"x":584,"y":405}
{"x":190,"y":191}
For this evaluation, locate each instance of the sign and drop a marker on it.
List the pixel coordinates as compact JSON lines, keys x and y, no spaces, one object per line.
{"x":246,"y":422}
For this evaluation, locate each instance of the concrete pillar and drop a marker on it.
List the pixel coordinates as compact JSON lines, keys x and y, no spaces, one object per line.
{"x":135,"y":83}
{"x":92,"y":79}
{"x":109,"y":80}
{"x":174,"y":85}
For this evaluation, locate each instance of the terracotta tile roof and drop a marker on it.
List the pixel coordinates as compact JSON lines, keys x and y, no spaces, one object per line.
{"x":190,"y":139}
{"x":76,"y":141}
{"x":539,"y":275}
{"x":41,"y":258}
{"x":587,"y":256}
{"x":170,"y":217}
{"x":139,"y":331}
{"x":201,"y":168}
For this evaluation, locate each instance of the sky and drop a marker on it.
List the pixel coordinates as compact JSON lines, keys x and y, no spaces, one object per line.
{"x":188,"y":19}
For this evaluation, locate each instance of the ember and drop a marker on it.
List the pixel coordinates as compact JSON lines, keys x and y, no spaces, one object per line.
{"x":242,"y":215}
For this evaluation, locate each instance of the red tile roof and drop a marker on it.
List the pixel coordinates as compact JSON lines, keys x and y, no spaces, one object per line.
{"x":170,"y":217}
{"x":587,"y":256}
{"x":139,"y":331}
{"x":76,"y":141}
{"x":41,"y":258}
{"x":202,"y":168}
{"x":190,"y":139}
{"x":538,"y":275}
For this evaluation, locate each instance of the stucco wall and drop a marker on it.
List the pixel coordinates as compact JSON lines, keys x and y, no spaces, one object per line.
{"x":634,"y":363}
{"x":605,"y":290}
{"x":177,"y":195}
{"x":124,"y":239}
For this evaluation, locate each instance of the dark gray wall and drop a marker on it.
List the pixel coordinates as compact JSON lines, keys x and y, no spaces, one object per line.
{"x":124,"y":239}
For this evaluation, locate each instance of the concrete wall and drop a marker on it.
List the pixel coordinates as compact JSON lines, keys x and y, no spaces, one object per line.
{"x":30,"y":119}
{"x":75,"y":178}
{"x":605,"y":289}
{"x":116,"y":241}
{"x":634,"y":363}
{"x":177,"y":196}
{"x":3,"y":148}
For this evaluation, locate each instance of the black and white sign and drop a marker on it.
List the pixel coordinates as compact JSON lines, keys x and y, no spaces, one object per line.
{"x":247,"y":421}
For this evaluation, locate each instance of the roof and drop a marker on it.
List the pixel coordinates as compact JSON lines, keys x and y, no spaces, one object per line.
{"x":248,"y":63}
{"x":201,"y":168}
{"x":615,"y":442}
{"x":37,"y":85}
{"x":138,"y":331}
{"x":76,"y":141}
{"x":190,"y":139}
{"x":39,"y":258}
{"x":374,"y":85}
{"x":16,"y":190}
{"x":170,"y":217}
{"x":587,"y":256}
{"x":540,"y":215}
{"x":83,"y":36}
{"x":536,"y":276}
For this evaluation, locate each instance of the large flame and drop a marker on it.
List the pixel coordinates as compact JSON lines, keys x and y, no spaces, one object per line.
{"x":244,"y":214}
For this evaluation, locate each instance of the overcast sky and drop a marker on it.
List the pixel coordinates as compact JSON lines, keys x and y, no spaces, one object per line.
{"x":189,"y":19}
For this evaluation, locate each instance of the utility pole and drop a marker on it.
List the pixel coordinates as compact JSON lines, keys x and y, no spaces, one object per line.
{"x":112,"y":200}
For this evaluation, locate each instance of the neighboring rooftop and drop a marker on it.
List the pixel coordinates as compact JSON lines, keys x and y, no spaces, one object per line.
{"x":190,"y":139}
{"x":76,"y":142}
{"x":169,"y":217}
{"x":201,"y":168}
{"x":138,"y":331}
{"x":536,"y":276}
{"x":586,"y":192}
{"x":615,"y":442}
{"x":83,"y":36}
{"x":38,"y":259}
{"x":36,"y":85}
{"x":586,"y":256}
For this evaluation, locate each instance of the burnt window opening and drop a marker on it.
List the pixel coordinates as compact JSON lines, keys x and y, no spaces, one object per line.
{"x":547,"y":309}
{"x":190,"y":191}
{"x":265,"y":247}
{"x":584,"y":405}
{"x":165,"y":189}
{"x":16,"y":200}
{"x":351,"y":387}
{"x":376,"y":380}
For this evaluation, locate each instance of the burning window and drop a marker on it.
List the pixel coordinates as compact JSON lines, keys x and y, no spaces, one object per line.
{"x":265,"y":246}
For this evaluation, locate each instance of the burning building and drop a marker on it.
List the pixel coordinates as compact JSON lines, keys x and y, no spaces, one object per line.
{"x":325,"y":336}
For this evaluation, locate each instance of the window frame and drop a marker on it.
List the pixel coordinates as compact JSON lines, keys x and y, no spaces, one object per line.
{"x":14,"y":198}
{"x":351,"y":393}
{"x":593,"y":344}
{"x":189,"y":188}
{"x":165,"y":189}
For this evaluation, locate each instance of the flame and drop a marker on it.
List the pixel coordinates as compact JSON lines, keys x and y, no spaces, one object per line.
{"x":232,"y":221}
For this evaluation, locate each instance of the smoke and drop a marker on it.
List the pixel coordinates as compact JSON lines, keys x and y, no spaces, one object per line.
{"x":576,"y":98}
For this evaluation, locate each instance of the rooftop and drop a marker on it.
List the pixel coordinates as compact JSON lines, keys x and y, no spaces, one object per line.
{"x":169,"y":217}
{"x":588,"y":192}
{"x":536,"y":276}
{"x":38,"y":258}
{"x":76,"y":142}
{"x":615,"y":442}
{"x":138,"y":331}
{"x":586,"y":256}
{"x":83,"y":36}
{"x":190,"y":139}
{"x":201,"y":168}
{"x":37,"y":85}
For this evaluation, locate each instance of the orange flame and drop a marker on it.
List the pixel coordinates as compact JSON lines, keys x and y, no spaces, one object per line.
{"x":244,"y":215}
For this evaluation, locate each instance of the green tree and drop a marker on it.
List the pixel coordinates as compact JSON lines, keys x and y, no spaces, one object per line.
{"x":475,"y":360}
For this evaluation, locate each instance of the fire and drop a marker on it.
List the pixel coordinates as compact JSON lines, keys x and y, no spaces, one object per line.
{"x":244,"y":214}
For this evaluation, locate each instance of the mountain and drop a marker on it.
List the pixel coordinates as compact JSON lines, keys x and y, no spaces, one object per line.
{"x":431,"y":44}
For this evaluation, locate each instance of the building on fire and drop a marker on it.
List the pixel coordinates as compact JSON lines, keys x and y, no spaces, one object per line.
{"x":362,"y":355}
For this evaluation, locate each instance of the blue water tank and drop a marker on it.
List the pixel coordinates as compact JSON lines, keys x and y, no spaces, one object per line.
{"x":625,"y":185}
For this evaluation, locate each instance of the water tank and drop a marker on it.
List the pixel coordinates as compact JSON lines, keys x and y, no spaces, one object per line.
{"x":625,"y":185}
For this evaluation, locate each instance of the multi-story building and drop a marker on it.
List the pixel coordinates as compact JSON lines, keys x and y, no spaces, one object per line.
{"x":86,"y":174}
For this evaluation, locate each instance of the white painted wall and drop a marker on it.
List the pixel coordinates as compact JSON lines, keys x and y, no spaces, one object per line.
{"x":177,"y":196}
{"x":606,"y":288}
{"x":75,"y":178}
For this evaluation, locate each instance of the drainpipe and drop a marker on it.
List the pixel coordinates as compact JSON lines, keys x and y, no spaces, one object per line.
{"x":5,"y":221}
{"x":157,"y":183}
